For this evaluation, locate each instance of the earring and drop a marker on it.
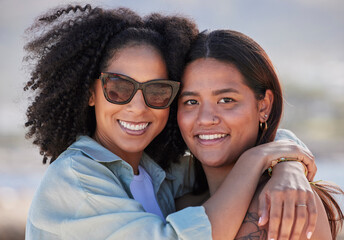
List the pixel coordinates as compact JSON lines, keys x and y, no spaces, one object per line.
{"x":263,"y":128}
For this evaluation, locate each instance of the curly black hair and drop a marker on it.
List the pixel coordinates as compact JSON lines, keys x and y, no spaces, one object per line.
{"x":68,"y":48}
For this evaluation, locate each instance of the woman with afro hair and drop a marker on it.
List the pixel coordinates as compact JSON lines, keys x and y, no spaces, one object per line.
{"x":104,"y":83}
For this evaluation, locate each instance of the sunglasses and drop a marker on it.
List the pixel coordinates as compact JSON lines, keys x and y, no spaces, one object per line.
{"x":120,"y":89}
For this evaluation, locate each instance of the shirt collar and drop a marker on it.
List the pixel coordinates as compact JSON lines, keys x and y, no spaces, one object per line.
{"x":94,"y":150}
{"x":97,"y":152}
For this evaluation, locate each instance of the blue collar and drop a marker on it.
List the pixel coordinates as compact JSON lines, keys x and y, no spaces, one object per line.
{"x":97,"y":152}
{"x":94,"y":150}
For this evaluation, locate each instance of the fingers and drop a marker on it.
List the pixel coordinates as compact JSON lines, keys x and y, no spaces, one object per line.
{"x":263,"y":210}
{"x":289,"y":213}
{"x":302,"y":210}
{"x":288,"y":219}
{"x":309,"y":161}
{"x":312,"y":171}
{"x":312,"y":214}
{"x":301,"y":213}
{"x":311,"y":167}
{"x":275,"y":218}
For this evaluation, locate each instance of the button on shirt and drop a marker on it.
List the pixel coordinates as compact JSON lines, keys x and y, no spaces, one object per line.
{"x":85,"y":194}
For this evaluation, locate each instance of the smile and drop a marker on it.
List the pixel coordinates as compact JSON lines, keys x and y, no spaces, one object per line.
{"x":132,"y":126}
{"x":211,"y":136}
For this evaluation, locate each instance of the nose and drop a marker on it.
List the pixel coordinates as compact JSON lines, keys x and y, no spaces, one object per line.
{"x":207,"y":115}
{"x":137,"y":103}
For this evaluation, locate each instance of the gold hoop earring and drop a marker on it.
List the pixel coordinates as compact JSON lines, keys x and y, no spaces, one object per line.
{"x":263,"y":128}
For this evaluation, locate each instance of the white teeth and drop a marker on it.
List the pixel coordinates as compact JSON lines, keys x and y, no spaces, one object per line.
{"x":134,"y":127}
{"x":211,"y":136}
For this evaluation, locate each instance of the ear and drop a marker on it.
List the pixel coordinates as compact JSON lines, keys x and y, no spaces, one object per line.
{"x":91,"y":100}
{"x":265,"y":105}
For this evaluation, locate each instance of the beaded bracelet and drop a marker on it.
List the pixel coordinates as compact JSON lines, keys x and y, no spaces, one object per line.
{"x":285,"y":159}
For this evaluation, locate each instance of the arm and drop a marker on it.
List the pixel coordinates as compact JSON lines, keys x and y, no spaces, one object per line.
{"x":288,"y":187}
{"x":291,"y":171}
{"x":250,"y":227}
{"x":230,"y":202}
{"x":284,"y":134}
{"x":82,"y":199}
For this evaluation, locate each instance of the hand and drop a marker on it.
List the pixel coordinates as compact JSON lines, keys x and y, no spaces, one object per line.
{"x":291,"y":201}
{"x":289,"y":188}
{"x":284,"y":148}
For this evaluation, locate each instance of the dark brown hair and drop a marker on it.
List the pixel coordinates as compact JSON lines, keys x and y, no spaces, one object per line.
{"x":67,"y":50}
{"x":259,"y":75}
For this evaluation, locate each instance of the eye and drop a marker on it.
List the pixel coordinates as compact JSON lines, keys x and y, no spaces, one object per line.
{"x":191,"y":102}
{"x":226,"y":100}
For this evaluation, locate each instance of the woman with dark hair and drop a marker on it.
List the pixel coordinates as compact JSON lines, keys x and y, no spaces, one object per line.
{"x":230,"y":105}
{"x":105,"y":81}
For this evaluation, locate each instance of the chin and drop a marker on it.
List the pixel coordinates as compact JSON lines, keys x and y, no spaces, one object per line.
{"x":214,"y":163}
{"x":133,"y":148}
{"x":217,"y":163}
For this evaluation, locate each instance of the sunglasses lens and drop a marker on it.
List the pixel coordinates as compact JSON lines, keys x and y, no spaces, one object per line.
{"x":158,"y":94}
{"x":119,"y":90}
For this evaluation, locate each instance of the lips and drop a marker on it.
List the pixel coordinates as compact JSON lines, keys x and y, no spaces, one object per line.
{"x":133,"y":128}
{"x":211,"y":138}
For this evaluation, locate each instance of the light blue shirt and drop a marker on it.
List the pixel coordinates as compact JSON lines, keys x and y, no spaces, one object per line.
{"x":85,"y":194}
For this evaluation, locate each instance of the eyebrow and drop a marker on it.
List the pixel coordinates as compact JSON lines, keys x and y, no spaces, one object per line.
{"x":215,"y":92}
{"x":225,"y":90}
{"x":188,"y":93}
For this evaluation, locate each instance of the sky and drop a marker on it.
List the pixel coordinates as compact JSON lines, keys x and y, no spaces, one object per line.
{"x":304,"y":38}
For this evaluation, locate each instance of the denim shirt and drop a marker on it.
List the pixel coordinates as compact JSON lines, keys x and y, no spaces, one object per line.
{"x":85,"y":194}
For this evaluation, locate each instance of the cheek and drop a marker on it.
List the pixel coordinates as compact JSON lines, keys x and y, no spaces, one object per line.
{"x":184,"y":119}
{"x":162,"y":116}
{"x":245,"y":123}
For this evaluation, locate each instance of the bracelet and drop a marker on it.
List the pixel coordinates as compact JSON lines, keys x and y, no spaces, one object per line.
{"x":285,"y":159}
{"x":315,"y":183}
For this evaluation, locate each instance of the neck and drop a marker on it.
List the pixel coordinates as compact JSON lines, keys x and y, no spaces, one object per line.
{"x":216,"y":175}
{"x":133,"y":158}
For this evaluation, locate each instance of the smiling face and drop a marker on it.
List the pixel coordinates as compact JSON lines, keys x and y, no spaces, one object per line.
{"x":129,"y":128}
{"x":218,"y":114}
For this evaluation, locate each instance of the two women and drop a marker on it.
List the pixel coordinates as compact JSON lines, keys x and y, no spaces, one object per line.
{"x":105,"y":81}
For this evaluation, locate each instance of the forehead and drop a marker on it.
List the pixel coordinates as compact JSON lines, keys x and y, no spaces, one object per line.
{"x":141,"y":62}
{"x":209,"y":73}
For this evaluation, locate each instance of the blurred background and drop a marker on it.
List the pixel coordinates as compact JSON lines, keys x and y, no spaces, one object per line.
{"x":304,"y":38}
